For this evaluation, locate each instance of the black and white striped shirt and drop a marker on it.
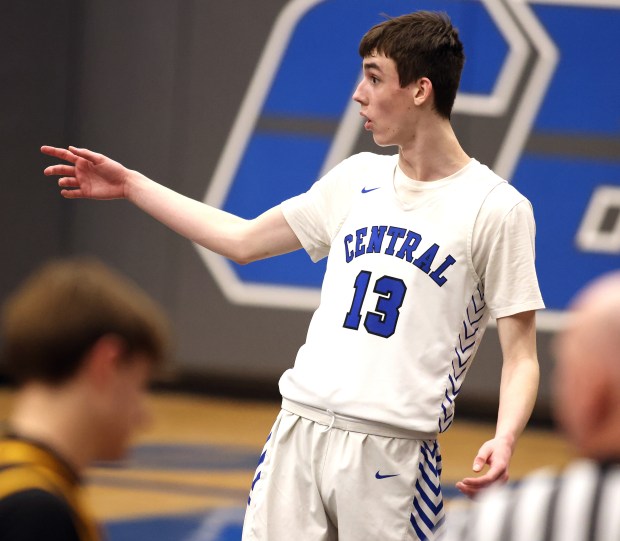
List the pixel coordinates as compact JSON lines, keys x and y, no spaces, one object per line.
{"x":581,"y":504}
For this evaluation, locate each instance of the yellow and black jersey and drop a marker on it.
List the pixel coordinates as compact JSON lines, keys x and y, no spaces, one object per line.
{"x":40,"y":495}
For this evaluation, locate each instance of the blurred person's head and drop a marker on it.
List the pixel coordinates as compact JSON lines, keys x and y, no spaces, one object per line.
{"x":81,"y":343}
{"x":587,"y":373}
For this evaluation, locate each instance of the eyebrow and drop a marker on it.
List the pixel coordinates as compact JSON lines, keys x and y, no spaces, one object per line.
{"x":371,"y":65}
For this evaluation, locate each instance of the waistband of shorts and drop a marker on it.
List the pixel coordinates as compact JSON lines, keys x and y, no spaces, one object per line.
{"x":352,"y":424}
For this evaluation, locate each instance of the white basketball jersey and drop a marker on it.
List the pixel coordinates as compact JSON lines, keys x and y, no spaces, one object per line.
{"x":402,"y":308}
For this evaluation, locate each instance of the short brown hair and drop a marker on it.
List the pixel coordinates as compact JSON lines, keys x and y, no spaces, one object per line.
{"x":57,"y":315}
{"x":422,"y":44}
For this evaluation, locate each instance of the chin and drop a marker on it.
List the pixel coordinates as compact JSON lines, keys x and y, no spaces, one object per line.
{"x":113,"y":454}
{"x":382,"y":142}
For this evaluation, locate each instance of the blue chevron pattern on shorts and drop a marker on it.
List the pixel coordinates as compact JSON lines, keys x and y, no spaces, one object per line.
{"x":467,"y":343}
{"x":257,"y":474}
{"x":428,"y":516}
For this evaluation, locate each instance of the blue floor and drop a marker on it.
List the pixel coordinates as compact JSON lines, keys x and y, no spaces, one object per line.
{"x":219,"y":525}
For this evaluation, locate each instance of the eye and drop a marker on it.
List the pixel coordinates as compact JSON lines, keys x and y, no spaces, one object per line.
{"x":374,"y":80}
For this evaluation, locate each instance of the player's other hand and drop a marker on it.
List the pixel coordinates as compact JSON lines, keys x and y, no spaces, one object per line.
{"x":496,"y":454}
{"x":88,"y":174}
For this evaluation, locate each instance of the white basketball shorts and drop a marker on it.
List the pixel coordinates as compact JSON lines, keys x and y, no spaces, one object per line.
{"x":320,"y":479}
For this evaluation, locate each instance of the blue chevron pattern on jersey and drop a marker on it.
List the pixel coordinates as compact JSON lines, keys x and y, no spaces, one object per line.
{"x":428,"y":516}
{"x":257,"y":474}
{"x":463,"y":353}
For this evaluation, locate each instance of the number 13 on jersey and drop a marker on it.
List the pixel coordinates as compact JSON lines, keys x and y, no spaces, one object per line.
{"x":382,"y":321}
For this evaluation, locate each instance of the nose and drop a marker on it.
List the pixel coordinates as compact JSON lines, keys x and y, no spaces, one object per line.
{"x":358,"y":95}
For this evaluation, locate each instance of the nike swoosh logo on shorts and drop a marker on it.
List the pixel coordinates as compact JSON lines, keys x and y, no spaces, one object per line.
{"x":366,"y":190}
{"x":379,"y":476}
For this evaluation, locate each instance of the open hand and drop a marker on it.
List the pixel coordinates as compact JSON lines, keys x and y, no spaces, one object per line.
{"x":90,"y":175}
{"x":495,"y":453}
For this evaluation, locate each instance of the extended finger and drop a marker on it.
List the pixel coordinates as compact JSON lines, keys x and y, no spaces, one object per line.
{"x":87,"y":154}
{"x":60,"y":169}
{"x":68,"y":182}
{"x":466,"y":490}
{"x":71,"y":194}
{"x":490,"y":477}
{"x":61,"y":153}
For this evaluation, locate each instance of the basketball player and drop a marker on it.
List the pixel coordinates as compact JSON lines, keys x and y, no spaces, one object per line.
{"x":422,"y":248}
{"x":80,"y":342}
{"x":580,"y":503}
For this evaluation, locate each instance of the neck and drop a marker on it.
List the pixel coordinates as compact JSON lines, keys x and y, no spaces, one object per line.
{"x":433,"y":152}
{"x":43,"y":414}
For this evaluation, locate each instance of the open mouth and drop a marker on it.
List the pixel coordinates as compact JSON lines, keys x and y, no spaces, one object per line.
{"x":367,"y":123}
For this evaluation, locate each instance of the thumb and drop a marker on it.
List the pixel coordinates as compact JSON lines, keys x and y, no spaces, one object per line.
{"x":481,"y":459}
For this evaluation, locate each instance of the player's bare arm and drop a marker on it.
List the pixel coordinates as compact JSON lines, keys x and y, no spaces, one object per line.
{"x":94,"y":176}
{"x":518,"y":390}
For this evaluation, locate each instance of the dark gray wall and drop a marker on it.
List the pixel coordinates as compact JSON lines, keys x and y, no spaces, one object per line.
{"x":158,"y":90}
{"x":36,"y":76}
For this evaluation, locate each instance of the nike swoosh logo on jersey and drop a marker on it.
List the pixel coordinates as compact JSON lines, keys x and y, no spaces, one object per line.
{"x":366,"y":190}
{"x":379,"y":476}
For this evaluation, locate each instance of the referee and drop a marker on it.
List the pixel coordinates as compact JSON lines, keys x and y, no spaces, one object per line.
{"x":582,"y":502}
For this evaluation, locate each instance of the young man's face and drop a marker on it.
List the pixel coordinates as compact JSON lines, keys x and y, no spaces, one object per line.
{"x":388,"y":109}
{"x":126,"y":409}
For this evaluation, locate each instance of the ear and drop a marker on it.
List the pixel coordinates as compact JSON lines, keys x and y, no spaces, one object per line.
{"x":422,"y":91}
{"x":102,"y":360}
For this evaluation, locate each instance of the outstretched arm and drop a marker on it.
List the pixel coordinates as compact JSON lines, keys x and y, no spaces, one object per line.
{"x":95,"y":176}
{"x":518,"y":390}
